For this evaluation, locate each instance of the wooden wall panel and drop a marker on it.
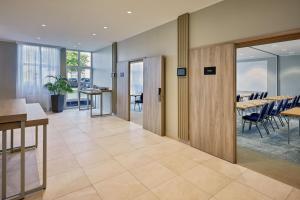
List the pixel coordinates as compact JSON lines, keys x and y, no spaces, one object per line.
{"x":183,"y":82}
{"x":154,"y":104}
{"x":123,"y":98}
{"x":114,"y":78}
{"x":212,"y":101}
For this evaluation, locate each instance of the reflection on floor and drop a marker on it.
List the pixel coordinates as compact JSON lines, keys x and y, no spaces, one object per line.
{"x":271,"y":155}
{"x":107,"y":158}
{"x":136,"y":115}
{"x":281,"y":170}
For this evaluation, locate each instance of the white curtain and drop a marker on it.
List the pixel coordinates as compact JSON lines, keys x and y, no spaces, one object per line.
{"x":35,"y":63}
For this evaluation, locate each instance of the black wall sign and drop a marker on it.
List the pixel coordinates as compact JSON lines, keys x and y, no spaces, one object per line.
{"x":122,"y":74}
{"x":181,"y":71}
{"x":210,"y":70}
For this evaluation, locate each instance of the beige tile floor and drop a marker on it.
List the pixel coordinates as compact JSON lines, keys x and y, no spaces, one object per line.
{"x":111,"y":159}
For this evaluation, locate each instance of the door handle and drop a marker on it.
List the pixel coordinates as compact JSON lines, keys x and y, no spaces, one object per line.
{"x":159,"y":94}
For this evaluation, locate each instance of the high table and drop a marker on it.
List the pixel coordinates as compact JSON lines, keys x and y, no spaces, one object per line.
{"x":94,"y":92}
{"x":13,"y":111}
{"x":17,"y":114}
{"x":291,"y":113}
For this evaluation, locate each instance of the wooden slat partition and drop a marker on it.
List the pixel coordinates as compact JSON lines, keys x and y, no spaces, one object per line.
{"x":212,"y":101}
{"x":114,"y":78}
{"x":123,"y":98}
{"x":183,"y":82}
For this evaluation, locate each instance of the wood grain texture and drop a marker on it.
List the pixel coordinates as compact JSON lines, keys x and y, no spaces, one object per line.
{"x":35,"y":117}
{"x":212,"y":101}
{"x":12,"y":110}
{"x":183,"y":82}
{"x":293,"y":112}
{"x":123,"y":98}
{"x":114,"y":79}
{"x":154,"y":104}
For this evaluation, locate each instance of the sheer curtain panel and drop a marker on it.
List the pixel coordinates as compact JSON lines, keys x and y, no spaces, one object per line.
{"x":35,"y":63}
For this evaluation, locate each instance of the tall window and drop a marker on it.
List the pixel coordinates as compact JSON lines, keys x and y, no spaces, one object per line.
{"x":79,"y":69}
{"x":35,"y":63}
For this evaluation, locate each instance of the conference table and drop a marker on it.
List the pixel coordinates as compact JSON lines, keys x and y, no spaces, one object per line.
{"x":278,"y":98}
{"x":289,"y":114}
{"x":245,"y":105}
{"x":16,"y":114}
{"x":91,"y":92}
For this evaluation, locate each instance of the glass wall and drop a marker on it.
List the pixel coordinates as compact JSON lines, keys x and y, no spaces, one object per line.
{"x":79,"y":70}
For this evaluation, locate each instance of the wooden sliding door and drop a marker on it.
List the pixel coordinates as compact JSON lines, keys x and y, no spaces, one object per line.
{"x":212,"y":100}
{"x":123,"y":98}
{"x":154,"y":95}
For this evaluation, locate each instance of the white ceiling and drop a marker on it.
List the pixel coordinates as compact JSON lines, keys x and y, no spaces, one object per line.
{"x":287,"y":48}
{"x":71,"y":23}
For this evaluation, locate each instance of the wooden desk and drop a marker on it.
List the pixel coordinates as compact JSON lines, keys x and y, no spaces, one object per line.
{"x":93,"y":92}
{"x":278,"y":98}
{"x":251,"y":104}
{"x":13,"y":111}
{"x":291,"y":113}
{"x":35,"y":116}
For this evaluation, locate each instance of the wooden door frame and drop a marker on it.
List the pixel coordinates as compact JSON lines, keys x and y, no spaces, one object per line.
{"x":129,"y":62}
{"x":260,"y":40}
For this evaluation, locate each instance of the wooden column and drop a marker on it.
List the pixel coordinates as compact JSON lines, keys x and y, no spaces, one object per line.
{"x":114,"y":77}
{"x":183,"y":83}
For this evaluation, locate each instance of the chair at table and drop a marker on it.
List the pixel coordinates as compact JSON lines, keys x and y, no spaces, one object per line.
{"x":251,"y":96}
{"x":257,"y":118}
{"x":265,"y":95}
{"x":293,"y":103}
{"x":238,"y":98}
{"x":284,"y":107}
{"x":139,"y":102}
{"x":298,"y":102}
{"x":262,"y":95}
{"x":256,"y":96}
{"x":276,"y":113}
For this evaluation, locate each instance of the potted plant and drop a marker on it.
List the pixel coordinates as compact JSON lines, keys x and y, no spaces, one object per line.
{"x":58,"y":88}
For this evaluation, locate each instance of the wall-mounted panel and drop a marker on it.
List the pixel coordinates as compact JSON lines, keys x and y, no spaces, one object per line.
{"x":212,"y":101}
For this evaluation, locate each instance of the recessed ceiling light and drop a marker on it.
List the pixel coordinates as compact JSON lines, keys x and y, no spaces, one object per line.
{"x":105,"y":27}
{"x":94,"y":34}
{"x":283,"y":49}
{"x":78,"y":43}
{"x":291,"y":52}
{"x":38,"y":38}
{"x":129,"y":12}
{"x":274,"y":45}
{"x":44,"y":25}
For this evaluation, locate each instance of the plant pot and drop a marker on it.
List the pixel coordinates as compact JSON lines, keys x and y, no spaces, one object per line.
{"x":57,"y":102}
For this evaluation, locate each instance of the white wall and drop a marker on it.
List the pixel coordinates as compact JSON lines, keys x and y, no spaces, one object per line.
{"x":237,"y":19}
{"x":158,"y":41}
{"x":102,"y":67}
{"x":8,"y":69}
{"x":289,"y":70}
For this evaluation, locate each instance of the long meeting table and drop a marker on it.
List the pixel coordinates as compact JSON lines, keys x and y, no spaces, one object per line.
{"x":292,"y":113}
{"x":16,"y":114}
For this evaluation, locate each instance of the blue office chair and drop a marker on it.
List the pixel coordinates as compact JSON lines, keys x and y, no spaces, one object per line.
{"x":251,"y":96}
{"x":276,"y":113}
{"x":257,"y":118}
{"x":256,"y":96}
{"x":293,"y":103}
{"x":298,"y":102}
{"x":266,"y":94}
{"x":262,"y":95}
